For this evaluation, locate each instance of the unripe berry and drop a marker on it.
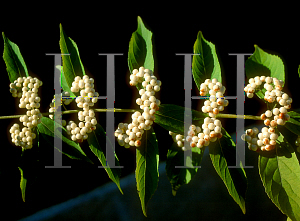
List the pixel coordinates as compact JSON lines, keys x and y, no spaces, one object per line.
{"x":249,"y":132}
{"x":273,"y":136}
{"x":272,"y":142}
{"x":260,"y":136}
{"x":286,"y":117}
{"x":280,"y":122}
{"x":260,"y":143}
{"x":266,"y":141}
{"x":267,"y":122}
{"x":253,"y":147}
{"x":73,"y":137}
{"x":273,"y":123}
{"x":246,"y":138}
{"x":285,"y":96}
{"x":283,"y":110}
{"x":179,"y":137}
{"x":141,"y":126}
{"x":282,"y":102}
{"x":269,"y":147}
{"x":206,"y":137}
{"x":137,"y":143}
{"x":268,"y":113}
{"x":215,"y":111}
{"x":191,"y":133}
{"x":266,"y":134}
{"x":180,"y":143}
{"x":211,"y":126}
{"x":217,"y":129}
{"x":78,"y":136}
{"x":263,"y":117}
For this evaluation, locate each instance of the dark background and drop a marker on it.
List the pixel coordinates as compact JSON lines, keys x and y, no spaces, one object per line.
{"x":97,"y":31}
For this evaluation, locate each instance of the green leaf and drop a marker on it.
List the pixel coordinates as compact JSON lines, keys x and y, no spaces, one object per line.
{"x":280,"y":174}
{"x":181,"y":176}
{"x":205,"y":64}
{"x":260,"y":63}
{"x":147,"y":36}
{"x":63,"y":82}
{"x":14,"y":61}
{"x":23,"y":183}
{"x":290,"y":137}
{"x":261,"y":94}
{"x":294,"y":114}
{"x":140,"y":48}
{"x":299,"y":70}
{"x":146,"y":173}
{"x":95,"y":144}
{"x":30,"y":167}
{"x":293,"y":127}
{"x":171,"y":117}
{"x":72,"y":65}
{"x":293,"y":124}
{"x":71,"y":149}
{"x":140,"y":52}
{"x":222,"y":153}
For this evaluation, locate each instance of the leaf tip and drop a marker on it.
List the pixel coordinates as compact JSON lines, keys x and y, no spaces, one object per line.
{"x":244,"y":210}
{"x":144,"y":212}
{"x":60,"y":28}
{"x":174,"y":192}
{"x":120,"y":190}
{"x":200,"y":35}
{"x":256,"y":46}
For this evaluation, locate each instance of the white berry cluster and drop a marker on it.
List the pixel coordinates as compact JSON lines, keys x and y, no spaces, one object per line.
{"x":86,"y":117}
{"x":217,"y":101}
{"x":65,"y":98}
{"x":297,"y":143}
{"x":251,"y":139}
{"x":277,"y":116}
{"x":22,"y":137}
{"x":80,"y":132}
{"x":29,"y":87}
{"x":30,"y":100}
{"x":280,"y":117}
{"x":270,"y":85}
{"x":211,"y":132}
{"x":131,"y":134}
{"x":273,"y":92}
{"x":264,"y":141}
{"x":211,"y":126}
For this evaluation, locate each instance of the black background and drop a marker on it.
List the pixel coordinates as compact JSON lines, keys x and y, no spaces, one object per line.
{"x":106,"y":30}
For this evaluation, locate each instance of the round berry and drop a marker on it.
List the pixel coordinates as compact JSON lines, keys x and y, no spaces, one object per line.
{"x":283,"y":110}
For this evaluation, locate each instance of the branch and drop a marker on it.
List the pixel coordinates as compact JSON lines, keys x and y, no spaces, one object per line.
{"x":75,"y":111}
